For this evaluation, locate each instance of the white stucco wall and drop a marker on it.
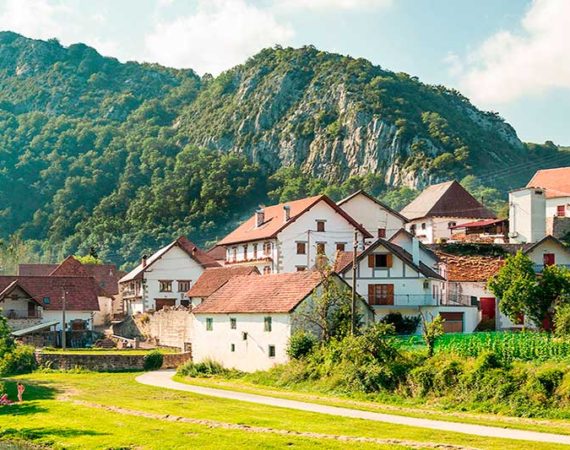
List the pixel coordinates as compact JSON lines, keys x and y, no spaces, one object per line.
{"x":553,"y":203}
{"x":372,"y":216}
{"x":250,"y":354}
{"x":245,"y":254}
{"x":52,"y":315}
{"x":527,"y":215}
{"x":561,"y":255}
{"x":105,"y":312}
{"x":405,"y":241}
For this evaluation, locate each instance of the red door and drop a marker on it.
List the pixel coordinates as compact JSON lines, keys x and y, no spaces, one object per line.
{"x":487,"y":307}
{"x":548,"y":259}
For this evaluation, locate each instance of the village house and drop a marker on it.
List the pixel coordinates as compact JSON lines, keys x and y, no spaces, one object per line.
{"x":292,"y":236}
{"x":106,"y":276}
{"x":164,"y":278}
{"x":542,"y":207}
{"x":377,"y":218}
{"x":247,"y":323}
{"x":486,"y":231}
{"x":439,"y":208}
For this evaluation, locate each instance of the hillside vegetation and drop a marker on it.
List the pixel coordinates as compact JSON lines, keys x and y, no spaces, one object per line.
{"x":122,"y":157}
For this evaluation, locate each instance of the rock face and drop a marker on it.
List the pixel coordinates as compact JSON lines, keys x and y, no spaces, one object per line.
{"x":336,"y":116}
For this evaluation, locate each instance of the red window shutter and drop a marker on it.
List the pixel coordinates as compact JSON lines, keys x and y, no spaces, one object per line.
{"x":561,"y":210}
{"x":370,"y":260}
{"x":390,"y":294}
{"x":371,"y":292}
{"x":388,"y":260}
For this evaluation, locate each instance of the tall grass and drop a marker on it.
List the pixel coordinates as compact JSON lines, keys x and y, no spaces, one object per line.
{"x":509,"y":346}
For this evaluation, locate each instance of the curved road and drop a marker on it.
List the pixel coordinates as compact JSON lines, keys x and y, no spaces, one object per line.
{"x":163,"y":378}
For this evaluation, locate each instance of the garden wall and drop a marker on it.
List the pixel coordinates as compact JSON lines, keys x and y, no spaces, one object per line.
{"x":106,"y":362}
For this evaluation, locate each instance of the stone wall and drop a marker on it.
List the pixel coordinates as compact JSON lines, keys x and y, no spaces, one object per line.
{"x":558,"y":227}
{"x":171,"y":327}
{"x":106,"y":362}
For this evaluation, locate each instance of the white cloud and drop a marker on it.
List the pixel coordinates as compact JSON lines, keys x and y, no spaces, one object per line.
{"x":510,"y":65}
{"x":335,"y":4}
{"x":220,"y":34}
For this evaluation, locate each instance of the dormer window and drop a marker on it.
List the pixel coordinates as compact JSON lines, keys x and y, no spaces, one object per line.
{"x":320,"y":225}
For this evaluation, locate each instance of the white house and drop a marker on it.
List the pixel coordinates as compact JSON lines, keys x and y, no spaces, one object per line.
{"x":439,"y":208}
{"x":164,"y":278}
{"x":292,"y":236}
{"x":394,"y":280}
{"x":377,"y":218}
{"x":247,"y":323}
{"x":547,"y":252}
{"x":542,"y":207}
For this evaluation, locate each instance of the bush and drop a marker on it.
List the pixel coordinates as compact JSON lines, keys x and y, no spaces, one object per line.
{"x":301,"y":344}
{"x":21,"y":360}
{"x":562,"y":320}
{"x":205,"y":368}
{"x":153,"y":360}
{"x":402,"y":324}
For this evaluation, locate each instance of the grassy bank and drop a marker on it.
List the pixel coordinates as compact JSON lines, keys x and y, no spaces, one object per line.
{"x":67,"y":410}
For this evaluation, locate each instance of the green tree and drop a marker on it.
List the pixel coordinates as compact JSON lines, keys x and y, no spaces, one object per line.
{"x":431,"y":331}
{"x":88,"y":259}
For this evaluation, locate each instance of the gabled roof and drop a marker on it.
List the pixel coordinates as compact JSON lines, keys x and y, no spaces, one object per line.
{"x":556,"y":182}
{"x":473,"y":268}
{"x":36,"y":270}
{"x":14,"y":285}
{"x":375,"y":200}
{"x":69,"y":267}
{"x":402,"y":254}
{"x":81,"y":292}
{"x":275,"y":293}
{"x":274,"y":221}
{"x":448,"y":199}
{"x":404,"y":232}
{"x":527,"y":248}
{"x":214,"y":278}
{"x":184,"y":244}
{"x":217,"y":252}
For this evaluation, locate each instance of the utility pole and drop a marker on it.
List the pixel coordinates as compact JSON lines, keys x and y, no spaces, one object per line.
{"x":353,"y":306}
{"x":63,"y":327}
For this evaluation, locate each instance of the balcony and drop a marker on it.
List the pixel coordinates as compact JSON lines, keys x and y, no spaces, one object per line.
{"x":22,"y":314}
{"x":403,"y":300}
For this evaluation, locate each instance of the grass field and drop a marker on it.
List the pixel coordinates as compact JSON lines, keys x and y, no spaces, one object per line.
{"x":79,"y":410}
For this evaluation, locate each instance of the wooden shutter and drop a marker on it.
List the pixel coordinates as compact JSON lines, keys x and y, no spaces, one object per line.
{"x":371,"y":298}
{"x":388,"y":260}
{"x":390,"y":292}
{"x":370,"y":260}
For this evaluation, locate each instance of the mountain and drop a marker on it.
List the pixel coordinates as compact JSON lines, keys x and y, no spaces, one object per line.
{"x":121,"y":157}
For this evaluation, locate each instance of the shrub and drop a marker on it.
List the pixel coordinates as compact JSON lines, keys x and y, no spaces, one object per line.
{"x":153,"y":360}
{"x":205,"y":368}
{"x":402,"y":324}
{"x":562,"y":320}
{"x":21,"y":360}
{"x":301,"y":344}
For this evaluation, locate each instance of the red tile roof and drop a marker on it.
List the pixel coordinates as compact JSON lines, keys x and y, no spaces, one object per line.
{"x":556,"y":182}
{"x":81,"y":292}
{"x":183,"y":243}
{"x":70,"y":267}
{"x":448,"y":199}
{"x":214,"y":278}
{"x":470,"y":268}
{"x":479,"y":223}
{"x":274,"y":220}
{"x":217,"y":252}
{"x":36,"y":270}
{"x":275,"y":293}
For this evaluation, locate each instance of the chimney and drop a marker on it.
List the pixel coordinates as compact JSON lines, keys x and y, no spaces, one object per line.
{"x":286,"y":213}
{"x":259,"y":217}
{"x":416,"y":251}
{"x":143,"y":261}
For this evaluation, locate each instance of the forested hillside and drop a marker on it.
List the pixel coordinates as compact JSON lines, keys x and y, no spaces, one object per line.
{"x":123,"y":157}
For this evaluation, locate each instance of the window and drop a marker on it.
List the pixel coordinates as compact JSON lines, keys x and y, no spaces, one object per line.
{"x":548,"y":259}
{"x":320,"y":248}
{"x":413,"y":228}
{"x":301,"y":268}
{"x":234,"y":254}
{"x":184,"y":285}
{"x":245,"y":251}
{"x":267,"y":324}
{"x":254,"y":251}
{"x":382,"y":233}
{"x":271,"y":351}
{"x":185,"y":303}
{"x":165,"y":285}
{"x":340,"y":246}
{"x":451,"y":224}
{"x":232,"y":347}
{"x":561,"y":210}
{"x":381,"y":294}
{"x":233,"y":323}
{"x":267,"y":248}
{"x":301,"y":248}
{"x":380,"y":261}
{"x":423,"y":226}
{"x":209,"y":324}
{"x":46,"y":301}
{"x":266,"y":270}
{"x":244,"y":336}
{"x":320,"y":225}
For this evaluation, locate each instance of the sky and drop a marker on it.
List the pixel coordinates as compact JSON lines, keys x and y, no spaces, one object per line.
{"x":510,"y":56}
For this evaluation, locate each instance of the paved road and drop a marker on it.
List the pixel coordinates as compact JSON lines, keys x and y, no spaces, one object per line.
{"x":163,"y":378}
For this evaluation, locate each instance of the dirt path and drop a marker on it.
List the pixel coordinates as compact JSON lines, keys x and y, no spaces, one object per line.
{"x":163,"y":378}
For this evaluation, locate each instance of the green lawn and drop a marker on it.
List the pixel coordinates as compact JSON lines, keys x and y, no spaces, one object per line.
{"x":52,"y":416}
{"x":559,"y":426}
